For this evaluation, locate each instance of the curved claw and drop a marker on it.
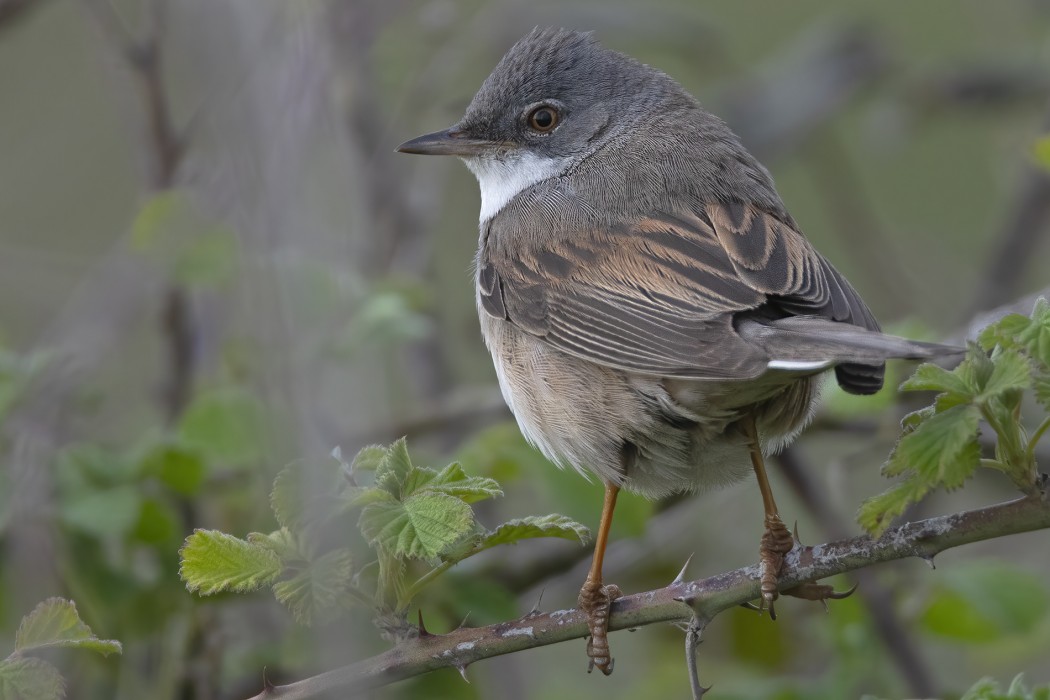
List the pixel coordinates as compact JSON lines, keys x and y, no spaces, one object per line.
{"x":842,"y":595}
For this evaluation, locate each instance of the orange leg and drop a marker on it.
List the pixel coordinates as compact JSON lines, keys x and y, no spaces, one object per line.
{"x":776,"y":539}
{"x":595,"y":598}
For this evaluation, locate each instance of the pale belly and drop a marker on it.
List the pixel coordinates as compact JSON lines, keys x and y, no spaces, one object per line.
{"x":584,"y":415}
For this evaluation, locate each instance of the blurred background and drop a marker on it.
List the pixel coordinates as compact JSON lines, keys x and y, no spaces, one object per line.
{"x":212,"y":263}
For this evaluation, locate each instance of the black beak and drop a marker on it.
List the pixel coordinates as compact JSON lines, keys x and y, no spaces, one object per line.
{"x":449,"y":142}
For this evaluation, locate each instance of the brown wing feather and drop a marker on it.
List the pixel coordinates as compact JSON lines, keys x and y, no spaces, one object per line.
{"x":658,"y":296}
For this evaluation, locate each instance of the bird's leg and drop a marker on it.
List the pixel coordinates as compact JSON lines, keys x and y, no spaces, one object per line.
{"x":776,"y":539}
{"x":595,"y":598}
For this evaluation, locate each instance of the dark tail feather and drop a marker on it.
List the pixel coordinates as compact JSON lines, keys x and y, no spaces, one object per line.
{"x":860,"y":379}
{"x":858,"y":355}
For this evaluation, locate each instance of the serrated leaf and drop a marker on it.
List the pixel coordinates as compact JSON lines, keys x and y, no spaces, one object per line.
{"x":281,"y":542}
{"x":56,"y":623}
{"x":26,"y":678}
{"x":317,"y":590}
{"x":1011,"y":372}
{"x":1003,"y":332}
{"x":394,"y":468}
{"x":423,"y":525}
{"x":365,"y":496}
{"x":914,"y":419}
{"x":930,"y":377}
{"x":1041,"y":384}
{"x":213,"y":561}
{"x":942,"y":450}
{"x":1036,"y":336}
{"x":876,"y":513}
{"x":416,"y":479}
{"x":553,"y":525}
{"x":368,"y":458}
{"x":287,"y":496}
{"x":453,"y":481}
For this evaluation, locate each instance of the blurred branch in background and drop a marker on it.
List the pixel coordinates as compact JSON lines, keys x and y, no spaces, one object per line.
{"x":1025,"y":227}
{"x":12,"y":11}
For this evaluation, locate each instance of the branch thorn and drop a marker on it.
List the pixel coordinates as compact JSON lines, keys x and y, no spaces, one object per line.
{"x":681,"y":574}
{"x":536,"y":608}
{"x":422,"y":627}
{"x":462,"y":668}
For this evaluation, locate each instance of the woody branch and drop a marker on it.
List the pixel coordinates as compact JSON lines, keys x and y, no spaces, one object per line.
{"x":679,"y":602}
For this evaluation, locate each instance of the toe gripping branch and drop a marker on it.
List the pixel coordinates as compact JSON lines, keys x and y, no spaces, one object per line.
{"x":596,"y":600}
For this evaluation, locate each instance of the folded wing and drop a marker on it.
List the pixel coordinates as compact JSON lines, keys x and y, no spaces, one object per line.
{"x":663,"y":295}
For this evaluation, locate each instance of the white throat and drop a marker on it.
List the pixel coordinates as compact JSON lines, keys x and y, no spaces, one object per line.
{"x":503,"y":179}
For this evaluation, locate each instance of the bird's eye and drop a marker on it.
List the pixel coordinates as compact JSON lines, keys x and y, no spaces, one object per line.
{"x":543,"y":119}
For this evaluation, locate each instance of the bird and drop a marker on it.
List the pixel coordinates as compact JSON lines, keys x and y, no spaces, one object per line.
{"x":655,"y":316}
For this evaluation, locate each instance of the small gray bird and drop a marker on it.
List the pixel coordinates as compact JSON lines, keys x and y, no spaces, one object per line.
{"x":655,"y":315}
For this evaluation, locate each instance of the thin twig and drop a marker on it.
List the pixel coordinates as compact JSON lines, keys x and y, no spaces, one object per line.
{"x":692,"y":641}
{"x":706,"y":598}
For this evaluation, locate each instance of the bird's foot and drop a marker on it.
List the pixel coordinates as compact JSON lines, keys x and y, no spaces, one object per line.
{"x":596,"y":600}
{"x":819,"y":591}
{"x":777,"y":541}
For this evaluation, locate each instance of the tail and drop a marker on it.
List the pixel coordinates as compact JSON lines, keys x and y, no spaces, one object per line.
{"x":810,"y":343}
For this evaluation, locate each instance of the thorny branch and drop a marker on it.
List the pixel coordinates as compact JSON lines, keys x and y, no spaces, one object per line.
{"x":679,"y":602}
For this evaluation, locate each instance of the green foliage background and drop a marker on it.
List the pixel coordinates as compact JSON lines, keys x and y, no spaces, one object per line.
{"x":330,"y":307}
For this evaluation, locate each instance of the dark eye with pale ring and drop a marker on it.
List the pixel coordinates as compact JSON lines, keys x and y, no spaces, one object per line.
{"x":543,"y":119}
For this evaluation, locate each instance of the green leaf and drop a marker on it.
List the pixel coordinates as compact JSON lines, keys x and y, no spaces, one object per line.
{"x":226,"y":425}
{"x":1011,"y":373}
{"x":930,"y":377}
{"x":282,"y":543}
{"x":453,"y":481}
{"x":393,"y":468}
{"x":1036,"y":336}
{"x":56,"y":623}
{"x":942,"y":450}
{"x":533,"y":526}
{"x":158,"y":523}
{"x":1003,"y":332}
{"x":111,"y":512}
{"x":878,"y":512}
{"x":1042,"y":389}
{"x":179,"y":468}
{"x":368,"y":458}
{"x":287,"y":498}
{"x":23,"y":678}
{"x":213,"y":561}
{"x":914,"y":419}
{"x":423,"y":525}
{"x":319,"y":589}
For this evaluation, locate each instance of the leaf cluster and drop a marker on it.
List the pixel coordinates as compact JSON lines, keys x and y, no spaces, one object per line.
{"x":939,"y":445}
{"x":417,"y":522}
{"x":53,"y":623}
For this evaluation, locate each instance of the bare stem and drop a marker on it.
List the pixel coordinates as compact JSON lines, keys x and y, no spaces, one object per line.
{"x":679,"y":602}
